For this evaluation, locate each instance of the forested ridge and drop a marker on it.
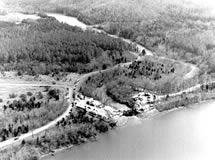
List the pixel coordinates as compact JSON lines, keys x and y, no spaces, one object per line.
{"x":45,"y":46}
{"x":171,"y":28}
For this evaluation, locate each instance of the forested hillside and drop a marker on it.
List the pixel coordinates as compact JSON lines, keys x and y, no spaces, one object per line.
{"x":156,"y":75}
{"x":45,"y":46}
{"x":174,"y":28}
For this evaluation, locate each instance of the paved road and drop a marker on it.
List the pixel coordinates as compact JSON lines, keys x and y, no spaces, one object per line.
{"x":52,"y":123}
{"x":74,"y":21}
{"x":66,"y":113}
{"x":43,"y":128}
{"x":194,"y":71}
{"x":36,"y":131}
{"x":84,"y":78}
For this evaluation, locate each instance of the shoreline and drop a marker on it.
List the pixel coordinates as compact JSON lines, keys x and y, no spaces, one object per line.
{"x":56,"y":151}
{"x":149,"y":116}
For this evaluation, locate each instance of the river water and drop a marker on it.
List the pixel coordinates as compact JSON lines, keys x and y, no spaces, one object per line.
{"x":17,"y":17}
{"x":69,"y":20}
{"x":185,"y":134}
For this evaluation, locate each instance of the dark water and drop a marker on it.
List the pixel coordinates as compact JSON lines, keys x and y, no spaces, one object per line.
{"x":185,"y":134}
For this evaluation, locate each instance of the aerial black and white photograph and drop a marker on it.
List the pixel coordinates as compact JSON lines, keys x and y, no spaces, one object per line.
{"x":107,"y":80}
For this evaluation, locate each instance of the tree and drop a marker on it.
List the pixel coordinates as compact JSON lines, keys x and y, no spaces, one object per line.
{"x":54,"y":93}
{"x":23,"y":97}
{"x":39,"y":95}
{"x":12,"y":95}
{"x":29,"y":93}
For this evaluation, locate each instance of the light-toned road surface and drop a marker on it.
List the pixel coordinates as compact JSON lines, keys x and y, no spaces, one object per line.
{"x":84,"y":78}
{"x":36,"y":131}
{"x":194,"y":71}
{"x":43,"y":128}
{"x":188,"y":90}
{"x":72,"y":21}
{"x":66,"y":113}
{"x":75,"y":22}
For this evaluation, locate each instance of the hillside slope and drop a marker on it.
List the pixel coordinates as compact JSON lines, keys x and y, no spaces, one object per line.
{"x":176,"y":29}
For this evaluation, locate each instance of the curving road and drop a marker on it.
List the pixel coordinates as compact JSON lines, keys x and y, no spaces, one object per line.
{"x":75,"y":22}
{"x":66,"y":113}
{"x":194,"y":71}
{"x":43,"y":128}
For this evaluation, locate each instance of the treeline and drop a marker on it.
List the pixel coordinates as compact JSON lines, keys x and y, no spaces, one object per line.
{"x":76,"y":129}
{"x":121,"y":91}
{"x":172,"y":29}
{"x":12,"y":131}
{"x":17,"y":127}
{"x":45,"y":46}
{"x":98,"y":80}
{"x":151,"y":69}
{"x":21,"y":105}
{"x":120,"y":84}
{"x":176,"y":32}
{"x":176,"y":102}
{"x":207,"y":87}
{"x":25,"y":114}
{"x":206,"y":92}
{"x":81,"y":116}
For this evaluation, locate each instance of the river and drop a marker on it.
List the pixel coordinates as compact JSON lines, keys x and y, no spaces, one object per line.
{"x":75,"y":22}
{"x":185,"y":134}
{"x":17,"y":17}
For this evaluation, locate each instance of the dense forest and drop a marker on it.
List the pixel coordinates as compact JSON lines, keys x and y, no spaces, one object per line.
{"x":171,"y":28}
{"x":45,"y":46}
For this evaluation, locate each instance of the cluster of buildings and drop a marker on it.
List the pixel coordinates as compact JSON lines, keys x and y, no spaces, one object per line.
{"x":96,"y":108}
{"x":144,"y":101}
